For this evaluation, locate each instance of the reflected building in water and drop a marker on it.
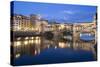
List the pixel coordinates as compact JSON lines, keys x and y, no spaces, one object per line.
{"x":33,"y":46}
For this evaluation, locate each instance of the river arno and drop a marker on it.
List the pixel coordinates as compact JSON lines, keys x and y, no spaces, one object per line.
{"x":39,"y":50}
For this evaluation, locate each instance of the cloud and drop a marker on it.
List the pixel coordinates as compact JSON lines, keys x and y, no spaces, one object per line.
{"x":67,"y":12}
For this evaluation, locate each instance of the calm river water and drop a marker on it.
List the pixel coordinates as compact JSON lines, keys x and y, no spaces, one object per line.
{"x":39,"y":50}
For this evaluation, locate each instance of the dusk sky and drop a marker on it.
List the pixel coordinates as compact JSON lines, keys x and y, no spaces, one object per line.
{"x":66,"y":13}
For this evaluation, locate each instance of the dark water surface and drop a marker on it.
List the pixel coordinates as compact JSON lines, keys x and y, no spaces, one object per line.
{"x":38,"y":50}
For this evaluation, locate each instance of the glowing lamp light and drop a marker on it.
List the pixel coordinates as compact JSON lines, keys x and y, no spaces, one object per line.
{"x":35,"y":52}
{"x":31,"y":41}
{"x":37,"y":41}
{"x":61,"y":44}
{"x":32,"y":37}
{"x":26,"y":37}
{"x":17,"y":55}
{"x":55,"y":47}
{"x":18,"y":38}
{"x":25,"y":42}
{"x":18,"y":43}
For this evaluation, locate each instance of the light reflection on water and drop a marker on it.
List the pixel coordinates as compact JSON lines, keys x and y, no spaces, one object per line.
{"x":33,"y":46}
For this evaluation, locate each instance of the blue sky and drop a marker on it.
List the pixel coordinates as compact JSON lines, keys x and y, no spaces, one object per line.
{"x":66,"y":13}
